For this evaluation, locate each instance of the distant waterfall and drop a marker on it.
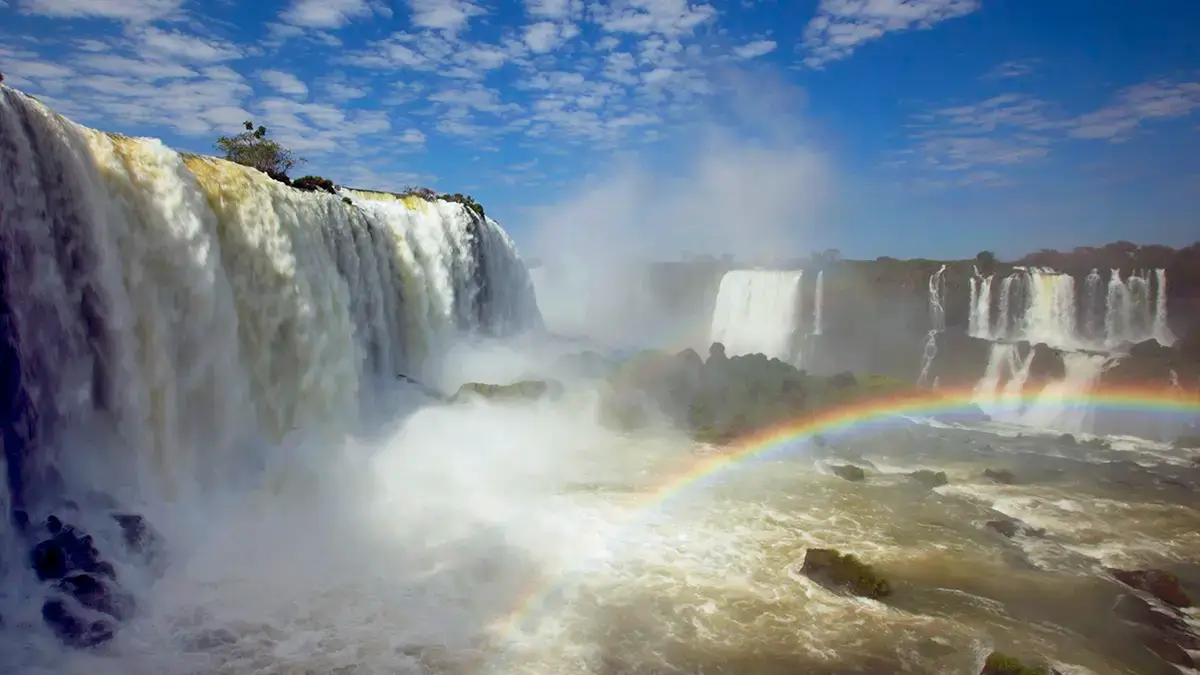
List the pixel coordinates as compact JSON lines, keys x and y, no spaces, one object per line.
{"x":1050,"y":309}
{"x":937,"y":320}
{"x":1161,"y":329}
{"x":758,"y":311}
{"x":980,"y":318}
{"x":819,"y":304}
{"x":1093,"y":307}
{"x":173,"y":310}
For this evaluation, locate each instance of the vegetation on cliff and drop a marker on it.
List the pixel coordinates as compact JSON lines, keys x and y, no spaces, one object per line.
{"x":844,"y":573}
{"x":721,"y":398}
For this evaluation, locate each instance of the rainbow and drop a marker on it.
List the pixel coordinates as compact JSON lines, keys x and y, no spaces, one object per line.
{"x":862,"y":414}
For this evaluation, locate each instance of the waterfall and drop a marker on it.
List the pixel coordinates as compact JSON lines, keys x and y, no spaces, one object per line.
{"x":1003,"y":380}
{"x":758,"y":311}
{"x":1093,"y":307}
{"x":979,"y":319}
{"x":937,"y":320}
{"x":1049,"y":309}
{"x":1004,"y":325}
{"x":819,"y":304}
{"x":1162,"y":327}
{"x":174,"y":310}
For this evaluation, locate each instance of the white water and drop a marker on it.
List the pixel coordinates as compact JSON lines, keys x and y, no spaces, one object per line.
{"x":937,"y":320}
{"x":196,"y":340}
{"x":819,"y":305}
{"x":758,"y":311}
{"x":1039,"y":305}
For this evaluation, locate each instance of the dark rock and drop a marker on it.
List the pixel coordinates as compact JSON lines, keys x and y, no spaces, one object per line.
{"x":49,"y":560}
{"x":138,"y":535}
{"x":843,"y":573}
{"x":1011,"y":527}
{"x":1047,"y":364}
{"x":1002,"y":664}
{"x":930,"y":479}
{"x":1162,"y":585}
{"x":960,"y":360}
{"x":1003,"y":476}
{"x":849,"y":472}
{"x":72,"y":630}
{"x":1168,"y":651}
{"x":1136,"y":610}
{"x":94,"y":593}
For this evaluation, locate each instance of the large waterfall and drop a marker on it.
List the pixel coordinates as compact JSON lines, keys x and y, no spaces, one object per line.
{"x":163,"y":312}
{"x":759,"y":311}
{"x":1039,"y":305}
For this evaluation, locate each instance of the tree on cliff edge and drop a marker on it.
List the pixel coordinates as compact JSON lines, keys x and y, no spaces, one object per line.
{"x":252,"y":148}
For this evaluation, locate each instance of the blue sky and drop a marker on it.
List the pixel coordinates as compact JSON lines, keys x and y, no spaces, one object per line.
{"x":656,"y":127}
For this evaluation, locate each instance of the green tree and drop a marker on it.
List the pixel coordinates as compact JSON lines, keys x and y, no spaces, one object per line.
{"x":985,"y":259}
{"x":252,"y":148}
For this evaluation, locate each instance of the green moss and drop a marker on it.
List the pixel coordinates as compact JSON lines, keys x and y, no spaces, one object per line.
{"x":347,"y":201}
{"x":522,"y":390}
{"x":1002,"y":664}
{"x":844,"y":572}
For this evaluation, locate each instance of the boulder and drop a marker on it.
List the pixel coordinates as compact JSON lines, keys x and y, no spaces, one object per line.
{"x":849,"y":472}
{"x":1002,"y":476}
{"x":1046,"y":364}
{"x":930,"y":479}
{"x":1162,"y":585}
{"x":843,"y":573}
{"x":139,"y":537}
{"x":998,"y":663}
{"x":93,"y":592}
{"x":72,"y":630}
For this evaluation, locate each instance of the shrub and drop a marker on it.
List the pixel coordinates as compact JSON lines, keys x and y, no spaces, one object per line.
{"x":252,"y":148}
{"x":314,"y":183}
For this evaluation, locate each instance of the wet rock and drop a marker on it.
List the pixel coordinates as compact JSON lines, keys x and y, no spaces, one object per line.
{"x":138,"y":535}
{"x":998,"y":663}
{"x":1136,"y":610}
{"x":1011,"y":527}
{"x":1047,"y":363}
{"x":930,"y":479}
{"x":72,"y":630}
{"x":92,"y":592}
{"x":49,"y":560}
{"x":1168,"y":651}
{"x":844,"y":573}
{"x":1162,"y":585}
{"x":1003,"y":476}
{"x":849,"y":472}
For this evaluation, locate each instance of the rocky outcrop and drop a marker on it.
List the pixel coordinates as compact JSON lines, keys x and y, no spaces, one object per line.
{"x":849,"y":472}
{"x":930,"y":479}
{"x":999,"y":663}
{"x":1162,"y":585}
{"x":524,"y":390}
{"x":844,"y":573}
{"x":1152,"y":364}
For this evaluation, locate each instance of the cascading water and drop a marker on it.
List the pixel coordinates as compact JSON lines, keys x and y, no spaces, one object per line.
{"x":819,"y":304}
{"x":1162,"y":328}
{"x":979,"y":320}
{"x":758,"y":311}
{"x":169,"y":317}
{"x":937,"y":320}
{"x":1093,"y":307}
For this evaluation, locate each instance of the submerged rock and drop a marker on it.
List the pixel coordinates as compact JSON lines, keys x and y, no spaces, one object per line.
{"x":844,"y":573}
{"x":1011,"y":527}
{"x":72,"y":630}
{"x":930,"y":479}
{"x":849,"y":472}
{"x":1162,"y":585}
{"x":93,"y":592}
{"x":999,"y":663}
{"x":1003,"y":476}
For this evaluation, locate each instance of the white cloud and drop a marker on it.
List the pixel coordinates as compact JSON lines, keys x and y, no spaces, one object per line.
{"x":671,"y":18}
{"x":755,"y":49}
{"x":447,"y":15}
{"x":325,"y":13}
{"x":1135,"y":106}
{"x":542,"y":36}
{"x":188,"y":48}
{"x":284,"y":83}
{"x":122,"y":10}
{"x":1012,"y":69}
{"x":842,"y":26}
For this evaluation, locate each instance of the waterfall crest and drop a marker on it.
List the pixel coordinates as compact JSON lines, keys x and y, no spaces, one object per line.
{"x":182,"y":308}
{"x":758,"y":311}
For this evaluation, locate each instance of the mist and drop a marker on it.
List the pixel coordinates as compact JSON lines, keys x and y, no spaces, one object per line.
{"x":743,"y":183}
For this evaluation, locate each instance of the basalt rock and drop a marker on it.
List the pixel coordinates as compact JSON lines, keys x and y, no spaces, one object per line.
{"x":930,"y":479}
{"x":1002,"y":476}
{"x":1162,"y":585}
{"x":849,"y":472}
{"x":999,"y":663}
{"x":844,"y":573}
{"x":1011,"y":527}
{"x":72,"y":630}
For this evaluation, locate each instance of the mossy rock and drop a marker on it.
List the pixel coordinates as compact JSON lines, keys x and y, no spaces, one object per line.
{"x":844,"y":573}
{"x":849,"y":472}
{"x":999,"y":663}
{"x":528,"y":390}
{"x":930,"y":479}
